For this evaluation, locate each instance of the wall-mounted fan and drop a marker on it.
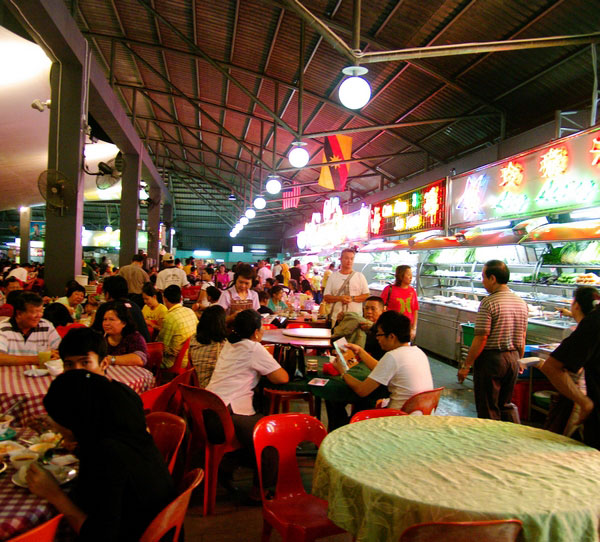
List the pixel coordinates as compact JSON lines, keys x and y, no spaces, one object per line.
{"x":56,"y":189}
{"x":110,"y":172}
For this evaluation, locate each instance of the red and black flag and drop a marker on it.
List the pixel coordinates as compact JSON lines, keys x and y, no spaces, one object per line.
{"x":336,"y":149}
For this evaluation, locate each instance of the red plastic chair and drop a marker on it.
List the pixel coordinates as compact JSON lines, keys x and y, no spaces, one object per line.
{"x":296,"y":325}
{"x":177,"y":368}
{"x":155,"y":358}
{"x":167,"y":430}
{"x":42,"y":533}
{"x":281,"y":399}
{"x":167,"y":398}
{"x":295,"y":514}
{"x":376,"y":413}
{"x":269,"y":326}
{"x":197,"y":401}
{"x":172,"y":516}
{"x":502,"y":530}
{"x":426,"y":402}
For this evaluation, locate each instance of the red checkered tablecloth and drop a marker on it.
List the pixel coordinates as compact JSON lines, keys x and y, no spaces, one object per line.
{"x":20,"y":510}
{"x":14,"y":385}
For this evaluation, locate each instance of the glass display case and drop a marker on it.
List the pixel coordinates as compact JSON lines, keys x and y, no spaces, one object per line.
{"x":450,"y":289}
{"x":381,"y":268}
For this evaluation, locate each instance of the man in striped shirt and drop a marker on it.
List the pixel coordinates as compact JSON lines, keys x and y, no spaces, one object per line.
{"x":27,"y":333}
{"x":499,"y":342}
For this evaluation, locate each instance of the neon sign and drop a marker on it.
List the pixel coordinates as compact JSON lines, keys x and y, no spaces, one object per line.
{"x":512,"y":175}
{"x":414,"y":211}
{"x":557,"y":177}
{"x":595,"y":150}
{"x":554,"y":163}
{"x":471,"y":201}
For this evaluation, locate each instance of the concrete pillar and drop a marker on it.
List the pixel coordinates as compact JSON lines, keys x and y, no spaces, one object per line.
{"x":168,"y":222}
{"x":63,"y":249}
{"x":24,"y":228}
{"x":154,"y":225}
{"x":130,"y":207}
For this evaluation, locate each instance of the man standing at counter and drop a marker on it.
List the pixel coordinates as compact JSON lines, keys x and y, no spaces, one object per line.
{"x":499,"y":342}
{"x":346,"y":289}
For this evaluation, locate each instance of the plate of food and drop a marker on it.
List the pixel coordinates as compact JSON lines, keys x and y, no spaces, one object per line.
{"x":9,"y":446}
{"x":63,"y":475}
{"x":36,"y":372}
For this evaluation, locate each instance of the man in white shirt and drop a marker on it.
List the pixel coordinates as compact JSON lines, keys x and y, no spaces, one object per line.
{"x":346,"y":289}
{"x":276,"y":270}
{"x":170,"y":274}
{"x":27,"y":333}
{"x":263,"y":273}
{"x":404,"y":369}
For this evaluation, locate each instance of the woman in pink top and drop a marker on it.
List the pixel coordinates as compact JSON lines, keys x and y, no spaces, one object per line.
{"x":222,"y":278}
{"x":402,"y":297}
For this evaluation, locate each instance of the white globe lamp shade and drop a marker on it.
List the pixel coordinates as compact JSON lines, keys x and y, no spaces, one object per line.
{"x":244,"y":221}
{"x":260,"y":202}
{"x":298,"y":157}
{"x":232,"y":233}
{"x":273,"y":186}
{"x":354,"y":91}
{"x":250,"y":213}
{"x":108,"y":229}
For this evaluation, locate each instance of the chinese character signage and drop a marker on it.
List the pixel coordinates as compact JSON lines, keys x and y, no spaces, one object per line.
{"x":560,"y":176}
{"x":332,"y":228}
{"x":415,"y":211}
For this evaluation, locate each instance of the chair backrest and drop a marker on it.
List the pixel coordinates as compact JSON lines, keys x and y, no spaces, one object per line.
{"x":42,"y":533}
{"x":502,"y":530}
{"x":426,"y":401}
{"x":177,"y":366}
{"x":155,"y":357}
{"x":167,"y":430}
{"x":199,"y":400}
{"x":172,"y":516}
{"x":284,"y":432}
{"x":376,"y":413}
{"x":167,"y":398}
{"x":297,"y":325}
{"x":269,"y":326}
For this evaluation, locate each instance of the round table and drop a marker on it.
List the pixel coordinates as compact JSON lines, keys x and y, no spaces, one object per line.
{"x":14,"y":385}
{"x":307,"y":333}
{"x":383,"y":475}
{"x":277,"y":336}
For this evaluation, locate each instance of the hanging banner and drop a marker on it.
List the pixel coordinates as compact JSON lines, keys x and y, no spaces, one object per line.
{"x":418,"y":210}
{"x":561,"y":176}
{"x":336,"y":149}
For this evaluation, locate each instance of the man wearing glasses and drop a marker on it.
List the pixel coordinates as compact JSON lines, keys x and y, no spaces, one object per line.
{"x":404,"y":369}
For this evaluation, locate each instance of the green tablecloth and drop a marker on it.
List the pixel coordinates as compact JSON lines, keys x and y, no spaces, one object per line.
{"x":381,"y":476}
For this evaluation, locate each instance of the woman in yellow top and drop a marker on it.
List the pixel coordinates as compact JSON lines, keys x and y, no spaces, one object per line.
{"x":153,"y":311}
{"x":285,"y":271}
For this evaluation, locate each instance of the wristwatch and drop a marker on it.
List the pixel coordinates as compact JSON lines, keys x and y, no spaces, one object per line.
{"x":113,"y":360}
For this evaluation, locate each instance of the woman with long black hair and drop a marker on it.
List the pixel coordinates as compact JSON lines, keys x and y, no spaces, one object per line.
{"x":241,"y":364}
{"x":123,"y":481}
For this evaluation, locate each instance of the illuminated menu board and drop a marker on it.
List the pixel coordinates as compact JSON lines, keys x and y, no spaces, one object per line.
{"x":560,"y":176}
{"x":418,"y":210}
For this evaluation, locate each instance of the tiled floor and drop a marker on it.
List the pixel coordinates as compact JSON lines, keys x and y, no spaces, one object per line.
{"x":233,"y":522}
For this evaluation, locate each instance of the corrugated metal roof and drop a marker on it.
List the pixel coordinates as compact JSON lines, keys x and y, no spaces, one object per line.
{"x":258,"y":43}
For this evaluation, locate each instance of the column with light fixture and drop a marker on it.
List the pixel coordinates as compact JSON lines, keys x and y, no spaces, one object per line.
{"x":24,"y":229}
{"x":62,"y":245}
{"x":130,"y":207}
{"x":168,"y":223}
{"x":154,"y":225}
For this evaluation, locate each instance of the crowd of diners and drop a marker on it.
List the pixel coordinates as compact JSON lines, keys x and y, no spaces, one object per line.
{"x":225,"y":328}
